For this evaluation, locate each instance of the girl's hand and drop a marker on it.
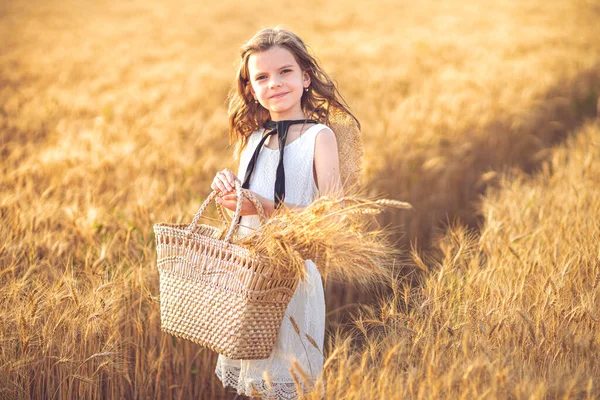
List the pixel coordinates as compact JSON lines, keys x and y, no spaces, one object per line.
{"x":224,"y":182}
{"x":229,"y":201}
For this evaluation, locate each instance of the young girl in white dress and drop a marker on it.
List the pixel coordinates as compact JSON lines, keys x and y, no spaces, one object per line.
{"x":288,"y":157}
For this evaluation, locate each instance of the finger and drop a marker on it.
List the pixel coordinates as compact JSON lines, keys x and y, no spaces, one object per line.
{"x":224,"y":181}
{"x":231,"y":178}
{"x":217,"y":185}
{"x":230,"y":197}
{"x":221,"y":188}
{"x":222,"y":184}
{"x":226,"y":204}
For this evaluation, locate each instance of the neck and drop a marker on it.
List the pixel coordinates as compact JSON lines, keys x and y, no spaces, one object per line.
{"x":287,"y":116}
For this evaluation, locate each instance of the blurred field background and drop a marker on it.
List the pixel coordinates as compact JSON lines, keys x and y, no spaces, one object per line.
{"x":113,"y":118}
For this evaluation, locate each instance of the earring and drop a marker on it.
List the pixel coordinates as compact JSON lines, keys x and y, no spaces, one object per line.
{"x":256,"y":101}
{"x":306,"y":89}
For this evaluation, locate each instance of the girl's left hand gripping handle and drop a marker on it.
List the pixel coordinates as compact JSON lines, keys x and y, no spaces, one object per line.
{"x":234,"y":226}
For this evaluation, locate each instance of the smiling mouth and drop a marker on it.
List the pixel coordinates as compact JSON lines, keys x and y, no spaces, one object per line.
{"x":278,"y":95}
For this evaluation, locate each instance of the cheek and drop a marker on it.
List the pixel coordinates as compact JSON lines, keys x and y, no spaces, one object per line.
{"x":258,"y":89}
{"x":252,"y":88}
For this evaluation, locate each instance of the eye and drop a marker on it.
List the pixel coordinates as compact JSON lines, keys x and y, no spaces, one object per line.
{"x":286,"y":71}
{"x":260,"y":77}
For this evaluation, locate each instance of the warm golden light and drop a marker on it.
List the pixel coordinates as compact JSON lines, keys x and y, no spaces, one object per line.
{"x":113,"y":117}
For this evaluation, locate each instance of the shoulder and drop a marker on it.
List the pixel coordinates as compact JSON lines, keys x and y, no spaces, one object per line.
{"x":256,"y":134}
{"x":325,"y":140}
{"x":253,"y":138}
{"x":243,"y":150}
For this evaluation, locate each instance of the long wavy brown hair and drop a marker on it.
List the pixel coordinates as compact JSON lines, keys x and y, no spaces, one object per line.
{"x":246,"y":116}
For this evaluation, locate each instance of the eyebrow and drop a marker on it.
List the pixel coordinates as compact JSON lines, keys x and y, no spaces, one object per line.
{"x":259,"y":73}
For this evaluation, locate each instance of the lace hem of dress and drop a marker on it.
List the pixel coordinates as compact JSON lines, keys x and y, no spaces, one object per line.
{"x":259,"y":388}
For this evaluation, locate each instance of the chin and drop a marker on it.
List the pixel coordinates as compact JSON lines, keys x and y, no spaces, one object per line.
{"x":281,"y":108}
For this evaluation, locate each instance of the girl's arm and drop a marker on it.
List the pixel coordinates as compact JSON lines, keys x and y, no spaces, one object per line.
{"x":327,"y":174}
{"x":327,"y":164}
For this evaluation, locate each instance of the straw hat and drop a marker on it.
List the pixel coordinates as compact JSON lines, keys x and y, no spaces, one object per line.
{"x":350,"y":148}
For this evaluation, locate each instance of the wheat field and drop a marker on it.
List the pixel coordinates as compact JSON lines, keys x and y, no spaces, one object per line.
{"x":511,"y":312}
{"x":482,"y":115}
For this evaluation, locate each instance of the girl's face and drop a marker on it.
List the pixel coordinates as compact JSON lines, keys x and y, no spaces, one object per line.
{"x":277,"y":82}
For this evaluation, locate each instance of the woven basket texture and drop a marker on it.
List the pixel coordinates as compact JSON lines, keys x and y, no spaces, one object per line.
{"x":217,"y":293}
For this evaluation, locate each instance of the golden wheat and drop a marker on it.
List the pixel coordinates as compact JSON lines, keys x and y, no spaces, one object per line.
{"x":507,"y":313}
{"x":334,"y":232}
{"x":112,"y":118}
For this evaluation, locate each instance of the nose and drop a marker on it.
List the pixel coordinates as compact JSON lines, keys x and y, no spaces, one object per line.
{"x":274,"y":81}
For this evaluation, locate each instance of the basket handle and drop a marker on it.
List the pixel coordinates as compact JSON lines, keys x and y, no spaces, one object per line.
{"x":234,"y":226}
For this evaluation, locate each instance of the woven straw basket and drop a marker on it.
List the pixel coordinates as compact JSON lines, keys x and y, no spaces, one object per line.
{"x":217,"y":293}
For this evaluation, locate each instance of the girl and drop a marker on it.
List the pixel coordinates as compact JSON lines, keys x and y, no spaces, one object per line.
{"x":287,"y":159}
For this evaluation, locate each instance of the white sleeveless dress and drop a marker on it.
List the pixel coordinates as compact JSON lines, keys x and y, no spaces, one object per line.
{"x":307,"y":306}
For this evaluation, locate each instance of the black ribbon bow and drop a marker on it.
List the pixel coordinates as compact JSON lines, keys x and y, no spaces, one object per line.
{"x":271,"y":128}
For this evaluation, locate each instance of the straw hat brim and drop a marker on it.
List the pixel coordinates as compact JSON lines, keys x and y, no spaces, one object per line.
{"x":350,"y":148}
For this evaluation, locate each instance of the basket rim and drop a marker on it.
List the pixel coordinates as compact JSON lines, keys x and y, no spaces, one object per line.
{"x":247,"y":252}
{"x":277,"y":276}
{"x":251,"y":255}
